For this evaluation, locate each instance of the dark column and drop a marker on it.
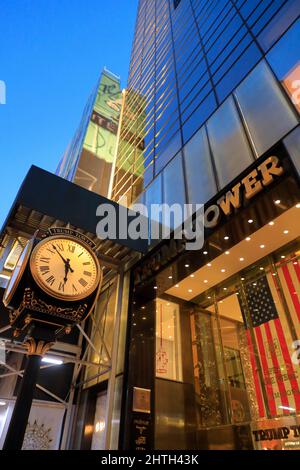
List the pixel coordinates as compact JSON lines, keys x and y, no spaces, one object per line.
{"x":16,"y":431}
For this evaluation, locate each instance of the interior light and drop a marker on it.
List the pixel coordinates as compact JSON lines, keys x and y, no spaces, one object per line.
{"x":254,"y":283}
{"x":192,"y":275}
{"x":168,"y":304}
{"x":227,"y":252}
{"x":177,"y":285}
{"x":205,"y":252}
{"x":2,"y":403}
{"x":144,"y":318}
{"x":190,"y":290}
{"x":170,"y":277}
{"x":282,"y":256}
{"x":209,"y":265}
{"x":285,"y":232}
{"x":298,"y":205}
{"x":250,"y":221}
{"x":224,"y":288}
{"x":295,"y":262}
{"x":242,"y":259}
{"x":209,"y":297}
{"x":155,"y":287}
{"x":248,"y":239}
{"x":273,"y":274}
{"x":262,"y":246}
{"x":205,"y":281}
{"x":271,"y":223}
{"x":277,"y":201}
{"x":242,"y":278}
{"x":143,"y":308}
{"x":286,"y":408}
{"x":226,"y":238}
{"x":134,"y":324}
{"x":52,"y":360}
{"x":261,"y":269}
{"x":187,"y":265}
{"x":223,"y":270}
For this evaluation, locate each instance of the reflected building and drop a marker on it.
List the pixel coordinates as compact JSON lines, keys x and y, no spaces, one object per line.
{"x":89,"y":159}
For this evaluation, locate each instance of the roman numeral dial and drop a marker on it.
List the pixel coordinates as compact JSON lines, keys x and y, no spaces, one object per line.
{"x":65,"y":268}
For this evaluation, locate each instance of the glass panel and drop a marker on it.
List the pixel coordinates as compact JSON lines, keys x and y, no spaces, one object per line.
{"x":279,"y":24}
{"x":228,"y":143}
{"x":168,"y":341}
{"x":199,"y":116}
{"x":174,"y":193}
{"x":285,"y":61}
{"x":238,"y":71}
{"x":292,"y":143}
{"x":201,"y":185}
{"x":262,"y":103}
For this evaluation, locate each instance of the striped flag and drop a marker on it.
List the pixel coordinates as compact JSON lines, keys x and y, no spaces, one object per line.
{"x":274,"y":335}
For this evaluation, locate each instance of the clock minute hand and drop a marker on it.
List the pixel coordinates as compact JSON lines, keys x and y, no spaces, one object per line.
{"x":66,"y":261}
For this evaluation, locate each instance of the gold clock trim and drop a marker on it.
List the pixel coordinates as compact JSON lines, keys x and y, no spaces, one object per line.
{"x":45,"y":288}
{"x":8,"y":297}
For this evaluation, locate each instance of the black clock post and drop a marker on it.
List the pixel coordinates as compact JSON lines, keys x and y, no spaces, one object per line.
{"x":38,"y":343}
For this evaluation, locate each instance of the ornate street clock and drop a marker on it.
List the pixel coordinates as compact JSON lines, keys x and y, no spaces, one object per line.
{"x":65,"y":268}
{"x":56,"y":281}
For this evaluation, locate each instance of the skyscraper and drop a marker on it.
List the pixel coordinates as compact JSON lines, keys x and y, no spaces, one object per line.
{"x":206,"y":66}
{"x":88,"y":161}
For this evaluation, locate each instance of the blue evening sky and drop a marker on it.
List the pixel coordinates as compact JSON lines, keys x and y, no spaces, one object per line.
{"x":51,"y":55}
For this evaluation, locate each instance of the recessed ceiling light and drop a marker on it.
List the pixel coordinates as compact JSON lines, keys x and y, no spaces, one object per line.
{"x":52,"y":360}
{"x":295,"y":262}
{"x":143,"y":308}
{"x":168,"y":304}
{"x":271,"y":223}
{"x":262,"y":246}
{"x":169,"y":327}
{"x":282,"y":256}
{"x":155,"y":287}
{"x":2,"y":403}
{"x":192,"y":275}
{"x":144,"y":318}
{"x":223,"y":270}
{"x":205,"y":281}
{"x":177,"y":285}
{"x":242,"y":278}
{"x":226,"y":238}
{"x":261,"y":269}
{"x":273,"y":274}
{"x":237,"y":293}
{"x":187,"y":265}
{"x":248,"y":239}
{"x":170,"y":337}
{"x":209,"y":297}
{"x":254,"y":283}
{"x":190,"y":290}
{"x":285,"y":232}
{"x":298,"y":205}
{"x":224,"y":288}
{"x":250,"y":221}
{"x":242,"y":259}
{"x":170,"y":277}
{"x":209,"y":265}
{"x":205,"y":252}
{"x":277,"y":201}
{"x":221,"y":301}
{"x":227,"y":252}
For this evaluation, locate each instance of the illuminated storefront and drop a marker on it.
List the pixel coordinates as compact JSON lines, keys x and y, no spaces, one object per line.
{"x":214,"y":333}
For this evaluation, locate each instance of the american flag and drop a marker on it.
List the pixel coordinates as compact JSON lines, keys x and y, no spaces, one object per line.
{"x":267,"y":299}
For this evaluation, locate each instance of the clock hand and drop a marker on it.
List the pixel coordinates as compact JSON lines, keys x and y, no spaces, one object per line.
{"x":66,"y":261}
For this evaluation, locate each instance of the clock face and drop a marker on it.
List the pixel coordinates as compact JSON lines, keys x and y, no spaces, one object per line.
{"x":17,"y":273}
{"x":65,"y":268}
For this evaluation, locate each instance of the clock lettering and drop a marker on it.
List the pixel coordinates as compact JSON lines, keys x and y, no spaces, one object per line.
{"x":71,"y":248}
{"x":83,"y":282}
{"x":50,"y":280}
{"x":61,"y":286}
{"x":87,"y":273}
{"x":44,"y":260}
{"x":44,"y":270}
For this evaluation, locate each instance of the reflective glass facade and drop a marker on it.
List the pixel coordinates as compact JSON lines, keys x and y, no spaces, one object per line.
{"x":89,"y":159}
{"x":187,"y":58}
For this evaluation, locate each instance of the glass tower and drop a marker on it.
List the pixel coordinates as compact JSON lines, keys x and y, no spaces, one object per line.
{"x":204,"y":73}
{"x":88,"y":161}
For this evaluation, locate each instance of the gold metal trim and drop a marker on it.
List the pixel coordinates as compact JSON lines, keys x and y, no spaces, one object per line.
{"x":63,"y":296}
